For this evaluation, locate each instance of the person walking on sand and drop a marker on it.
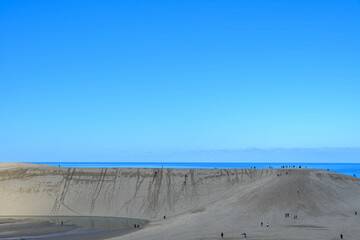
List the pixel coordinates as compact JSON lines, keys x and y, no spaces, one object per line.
{"x":341,"y":236}
{"x":261,"y":223}
{"x":222,"y":235}
{"x":267,"y":224}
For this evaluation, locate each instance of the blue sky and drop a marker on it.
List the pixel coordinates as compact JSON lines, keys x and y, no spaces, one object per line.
{"x":85,"y":80}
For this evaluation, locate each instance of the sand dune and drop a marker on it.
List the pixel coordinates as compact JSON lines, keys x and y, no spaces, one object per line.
{"x":199,"y":204}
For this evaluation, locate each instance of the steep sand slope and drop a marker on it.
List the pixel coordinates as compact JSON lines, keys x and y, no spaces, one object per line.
{"x":199,"y":204}
{"x":139,"y":193}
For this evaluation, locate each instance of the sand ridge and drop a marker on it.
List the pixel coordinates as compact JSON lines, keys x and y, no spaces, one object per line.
{"x":130,"y":192}
{"x":198,"y":203}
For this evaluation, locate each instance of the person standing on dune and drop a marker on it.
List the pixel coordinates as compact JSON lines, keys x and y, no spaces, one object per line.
{"x":222,"y":235}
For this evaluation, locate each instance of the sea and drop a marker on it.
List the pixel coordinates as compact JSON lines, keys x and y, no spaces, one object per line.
{"x":352,"y":169}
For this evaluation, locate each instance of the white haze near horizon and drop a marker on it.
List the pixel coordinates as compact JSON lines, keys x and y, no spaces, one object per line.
{"x":301,"y":155}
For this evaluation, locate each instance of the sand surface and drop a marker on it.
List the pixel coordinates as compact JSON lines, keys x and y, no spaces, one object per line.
{"x":198,"y":203}
{"x":33,"y":229}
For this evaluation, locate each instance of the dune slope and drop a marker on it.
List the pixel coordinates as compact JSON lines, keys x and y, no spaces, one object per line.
{"x":198,"y":203}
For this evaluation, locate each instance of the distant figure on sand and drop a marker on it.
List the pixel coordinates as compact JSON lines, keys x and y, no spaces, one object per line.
{"x":261,"y":223}
{"x":222,"y":235}
{"x":138,"y":226}
{"x":267,"y":224}
{"x":134,"y":225}
{"x":341,"y":236}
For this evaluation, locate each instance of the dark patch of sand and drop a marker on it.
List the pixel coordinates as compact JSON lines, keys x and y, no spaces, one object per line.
{"x":36,"y":229}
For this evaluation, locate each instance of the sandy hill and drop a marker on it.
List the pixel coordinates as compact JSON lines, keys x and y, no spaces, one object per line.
{"x":198,"y":203}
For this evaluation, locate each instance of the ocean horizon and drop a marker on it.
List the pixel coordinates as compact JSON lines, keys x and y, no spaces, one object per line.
{"x":344,"y":168}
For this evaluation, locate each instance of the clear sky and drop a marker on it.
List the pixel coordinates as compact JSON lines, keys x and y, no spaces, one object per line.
{"x":83,"y":80}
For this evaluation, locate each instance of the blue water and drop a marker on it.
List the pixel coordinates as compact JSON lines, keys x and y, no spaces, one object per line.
{"x":345,"y":168}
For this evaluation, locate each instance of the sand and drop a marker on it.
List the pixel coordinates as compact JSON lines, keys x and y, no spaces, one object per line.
{"x":31,"y":228}
{"x":13,"y":229}
{"x":197,"y":203}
